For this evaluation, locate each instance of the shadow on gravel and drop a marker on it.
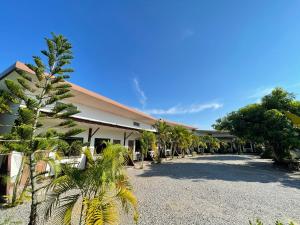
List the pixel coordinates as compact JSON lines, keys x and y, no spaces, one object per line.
{"x":224,"y":157}
{"x":210,"y":169}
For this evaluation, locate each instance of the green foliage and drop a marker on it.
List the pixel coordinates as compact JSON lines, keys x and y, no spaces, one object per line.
{"x":147,"y":140}
{"x":101,"y":187}
{"x":267,"y":154}
{"x":163,"y":134}
{"x":65,"y":149}
{"x":266,"y":123}
{"x":181,"y":139}
{"x":213,"y":144}
{"x":45,"y":88}
{"x":6,"y":100}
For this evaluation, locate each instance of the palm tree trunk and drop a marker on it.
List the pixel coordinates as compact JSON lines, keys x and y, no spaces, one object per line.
{"x":81,"y":213}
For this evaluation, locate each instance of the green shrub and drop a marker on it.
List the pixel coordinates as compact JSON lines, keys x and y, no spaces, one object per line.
{"x":75,"y":148}
{"x":267,"y":154}
{"x":63,"y":147}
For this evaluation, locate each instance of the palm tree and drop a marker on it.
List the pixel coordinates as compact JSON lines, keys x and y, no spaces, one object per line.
{"x":185,"y":141}
{"x":147,"y":140}
{"x":163,"y":132}
{"x":180,"y":138}
{"x":98,"y":189}
{"x":198,"y":142}
{"x":211,"y":142}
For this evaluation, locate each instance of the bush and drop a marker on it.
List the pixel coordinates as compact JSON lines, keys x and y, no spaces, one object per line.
{"x":63,"y":147}
{"x":75,"y":148}
{"x":267,"y":154}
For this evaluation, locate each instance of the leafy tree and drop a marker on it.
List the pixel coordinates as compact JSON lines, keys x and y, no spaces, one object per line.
{"x":163,"y":135}
{"x":198,"y":142}
{"x":185,"y":141}
{"x":266,"y":123}
{"x":211,"y":143}
{"x":46,"y":89}
{"x":147,"y":140}
{"x":98,"y":189}
{"x":181,"y":139}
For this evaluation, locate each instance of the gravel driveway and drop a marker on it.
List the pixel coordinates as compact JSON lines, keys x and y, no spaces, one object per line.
{"x":216,"y":190}
{"x":209,"y":190}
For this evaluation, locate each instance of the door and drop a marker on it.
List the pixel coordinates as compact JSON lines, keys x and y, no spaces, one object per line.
{"x":137,"y":146}
{"x":131,"y":145}
{"x":100,"y":144}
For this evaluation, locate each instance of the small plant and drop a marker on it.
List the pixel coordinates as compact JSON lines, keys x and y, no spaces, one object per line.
{"x":259,"y":222}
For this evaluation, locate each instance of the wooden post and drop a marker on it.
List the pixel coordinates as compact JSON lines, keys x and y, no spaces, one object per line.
{"x":124,"y":139}
{"x":90,"y":135}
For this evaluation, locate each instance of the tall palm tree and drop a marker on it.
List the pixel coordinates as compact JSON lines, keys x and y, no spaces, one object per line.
{"x":185,"y":141}
{"x":181,"y":139}
{"x":163,"y":133}
{"x":147,"y":140}
{"x":211,"y":142}
{"x":98,"y":189}
{"x":197,"y":142}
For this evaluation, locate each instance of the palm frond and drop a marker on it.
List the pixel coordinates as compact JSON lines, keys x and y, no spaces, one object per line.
{"x":100,"y":211}
{"x":55,"y":189}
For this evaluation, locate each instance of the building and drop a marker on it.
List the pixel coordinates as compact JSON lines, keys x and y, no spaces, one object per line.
{"x":102,"y":118}
{"x":226,"y":137}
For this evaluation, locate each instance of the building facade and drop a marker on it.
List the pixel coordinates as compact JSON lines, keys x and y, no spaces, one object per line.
{"x":103,"y":120}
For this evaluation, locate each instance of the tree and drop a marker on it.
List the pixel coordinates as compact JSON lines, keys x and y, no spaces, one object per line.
{"x":98,"y":189}
{"x":6,"y":100}
{"x":46,"y":89}
{"x":185,"y":141}
{"x":266,"y":123}
{"x":147,"y":140}
{"x":211,"y":143}
{"x":198,"y":142}
{"x":181,"y":139}
{"x":163,"y":133}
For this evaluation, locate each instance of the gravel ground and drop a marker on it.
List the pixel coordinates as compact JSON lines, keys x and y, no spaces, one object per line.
{"x":216,"y":190}
{"x":208,"y":190}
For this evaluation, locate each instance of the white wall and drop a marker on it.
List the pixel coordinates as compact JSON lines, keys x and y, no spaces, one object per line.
{"x":96,"y":114}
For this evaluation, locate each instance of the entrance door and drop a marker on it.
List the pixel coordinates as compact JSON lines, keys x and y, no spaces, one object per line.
{"x":137,"y":146}
{"x":100,"y":144}
{"x":131,"y":144}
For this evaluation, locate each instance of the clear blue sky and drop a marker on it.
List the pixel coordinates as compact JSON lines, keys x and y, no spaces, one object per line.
{"x":188,"y":61}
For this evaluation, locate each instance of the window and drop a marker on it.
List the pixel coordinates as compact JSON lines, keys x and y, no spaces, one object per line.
{"x":100,"y":144}
{"x":136,"y":124}
{"x":116,"y":141}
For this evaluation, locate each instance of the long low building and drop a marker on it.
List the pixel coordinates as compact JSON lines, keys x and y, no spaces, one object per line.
{"x":103,"y":119}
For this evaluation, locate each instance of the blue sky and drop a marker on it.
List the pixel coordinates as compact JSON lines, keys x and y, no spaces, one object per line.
{"x":188,"y":61}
